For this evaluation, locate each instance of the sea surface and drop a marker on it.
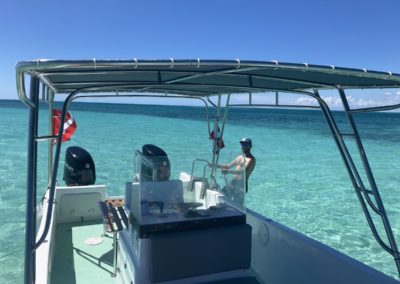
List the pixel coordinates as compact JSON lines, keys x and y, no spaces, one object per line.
{"x":299,"y":180}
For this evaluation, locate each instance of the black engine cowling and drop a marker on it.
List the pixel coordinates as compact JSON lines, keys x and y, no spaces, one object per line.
{"x":79,"y":168}
{"x":160,"y":165}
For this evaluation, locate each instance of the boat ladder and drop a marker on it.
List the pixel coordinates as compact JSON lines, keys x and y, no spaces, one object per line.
{"x":369,"y":198}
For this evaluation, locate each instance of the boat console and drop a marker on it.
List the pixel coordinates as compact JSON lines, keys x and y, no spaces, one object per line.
{"x":175,"y":232}
{"x":163,"y":208}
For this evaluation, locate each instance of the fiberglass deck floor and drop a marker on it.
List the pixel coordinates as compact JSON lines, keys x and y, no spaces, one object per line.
{"x":78,"y":262}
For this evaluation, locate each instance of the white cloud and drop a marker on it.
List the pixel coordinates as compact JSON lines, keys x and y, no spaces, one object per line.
{"x":335,"y":102}
{"x":367,"y":99}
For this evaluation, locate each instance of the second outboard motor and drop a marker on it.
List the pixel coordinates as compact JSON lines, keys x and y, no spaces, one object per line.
{"x":155,"y":165}
{"x":79,"y":167}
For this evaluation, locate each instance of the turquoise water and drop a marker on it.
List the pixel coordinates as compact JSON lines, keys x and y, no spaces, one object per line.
{"x":299,"y":179}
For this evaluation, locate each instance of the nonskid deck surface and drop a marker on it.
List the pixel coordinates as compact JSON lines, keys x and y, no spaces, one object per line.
{"x":76,"y":261}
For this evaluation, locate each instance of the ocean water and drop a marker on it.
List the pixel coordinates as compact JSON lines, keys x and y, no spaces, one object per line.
{"x":299,"y":180}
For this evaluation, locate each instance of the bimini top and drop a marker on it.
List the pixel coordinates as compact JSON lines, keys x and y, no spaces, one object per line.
{"x":195,"y":77}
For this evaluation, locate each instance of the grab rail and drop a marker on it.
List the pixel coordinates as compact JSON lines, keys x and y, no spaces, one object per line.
{"x":356,"y":179}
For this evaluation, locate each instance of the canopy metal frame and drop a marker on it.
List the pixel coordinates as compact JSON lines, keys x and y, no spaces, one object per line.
{"x":184,"y":88}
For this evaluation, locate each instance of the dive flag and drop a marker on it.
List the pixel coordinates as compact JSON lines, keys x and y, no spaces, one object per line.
{"x":220,"y":142}
{"x":69,"y":124}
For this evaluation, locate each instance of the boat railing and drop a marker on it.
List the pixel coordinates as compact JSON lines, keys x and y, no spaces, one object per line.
{"x":363,"y":194}
{"x":203,"y":179}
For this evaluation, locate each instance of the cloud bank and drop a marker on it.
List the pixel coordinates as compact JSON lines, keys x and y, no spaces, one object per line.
{"x":335,"y":102}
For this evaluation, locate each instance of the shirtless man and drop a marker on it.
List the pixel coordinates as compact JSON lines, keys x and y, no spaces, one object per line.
{"x":246,"y":160}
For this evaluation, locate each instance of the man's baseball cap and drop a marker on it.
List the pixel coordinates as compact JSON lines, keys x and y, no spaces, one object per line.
{"x":246,"y":140}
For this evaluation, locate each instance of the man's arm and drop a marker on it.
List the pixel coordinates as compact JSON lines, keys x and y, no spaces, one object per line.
{"x":230,"y":165}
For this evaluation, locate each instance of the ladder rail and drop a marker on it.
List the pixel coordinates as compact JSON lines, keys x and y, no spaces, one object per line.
{"x":340,"y":143}
{"x":356,"y":181}
{"x":375,"y":192}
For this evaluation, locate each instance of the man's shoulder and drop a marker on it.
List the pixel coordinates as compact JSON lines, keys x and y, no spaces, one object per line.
{"x":251,"y":156}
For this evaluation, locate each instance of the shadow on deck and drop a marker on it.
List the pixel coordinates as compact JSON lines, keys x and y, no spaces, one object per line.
{"x":76,"y":261}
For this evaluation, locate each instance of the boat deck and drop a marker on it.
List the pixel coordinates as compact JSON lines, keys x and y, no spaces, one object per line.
{"x":76,"y":261}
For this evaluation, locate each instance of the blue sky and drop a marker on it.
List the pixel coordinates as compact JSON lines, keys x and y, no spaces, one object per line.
{"x":359,"y":34}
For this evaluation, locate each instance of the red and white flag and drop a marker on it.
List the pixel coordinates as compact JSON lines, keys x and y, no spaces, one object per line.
{"x":217,"y":138}
{"x":69,"y":125}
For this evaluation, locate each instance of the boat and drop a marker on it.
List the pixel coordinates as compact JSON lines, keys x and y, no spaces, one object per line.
{"x":185,"y":229}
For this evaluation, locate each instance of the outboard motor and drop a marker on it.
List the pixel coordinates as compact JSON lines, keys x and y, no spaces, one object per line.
{"x":155,"y":165}
{"x":79,"y":167}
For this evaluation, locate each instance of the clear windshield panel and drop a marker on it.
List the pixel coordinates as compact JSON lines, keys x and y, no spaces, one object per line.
{"x":162,"y":204}
{"x":231,"y":183}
